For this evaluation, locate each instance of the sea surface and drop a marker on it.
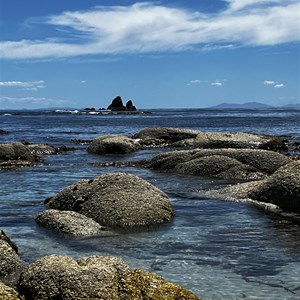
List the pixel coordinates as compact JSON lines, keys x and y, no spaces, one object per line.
{"x":217,"y":249}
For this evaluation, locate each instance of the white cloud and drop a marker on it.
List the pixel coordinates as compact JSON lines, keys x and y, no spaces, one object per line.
{"x":279,"y":86}
{"x":83,"y":81}
{"x":195,"y":81}
{"x":275,"y":84}
{"x":217,"y":83}
{"x":28,"y":85}
{"x":269,"y":82}
{"x":149,"y":27}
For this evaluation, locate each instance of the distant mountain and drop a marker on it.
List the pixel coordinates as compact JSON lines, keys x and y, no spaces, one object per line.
{"x":248,"y":105}
{"x":291,"y":106}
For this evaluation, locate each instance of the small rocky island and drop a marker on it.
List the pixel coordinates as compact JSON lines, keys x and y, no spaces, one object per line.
{"x":117,"y":105}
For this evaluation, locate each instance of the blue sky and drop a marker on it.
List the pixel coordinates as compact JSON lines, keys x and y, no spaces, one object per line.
{"x":159,"y":54}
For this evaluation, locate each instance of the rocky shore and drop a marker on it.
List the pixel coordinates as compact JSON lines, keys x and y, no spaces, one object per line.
{"x":260,"y":165}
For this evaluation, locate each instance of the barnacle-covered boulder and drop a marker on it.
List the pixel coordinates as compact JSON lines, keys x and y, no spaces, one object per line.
{"x":116,"y":200}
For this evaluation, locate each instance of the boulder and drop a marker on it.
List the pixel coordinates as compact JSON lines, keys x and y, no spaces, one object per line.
{"x":15,"y":155}
{"x":113,"y":145}
{"x":8,"y":293}
{"x":158,"y":136}
{"x":69,"y":222}
{"x":62,"y":277}
{"x":281,"y":189}
{"x":117,"y":104}
{"x":96,"y":277}
{"x":11,"y":264}
{"x":218,"y":166}
{"x":118,"y":200}
{"x":221,"y":163}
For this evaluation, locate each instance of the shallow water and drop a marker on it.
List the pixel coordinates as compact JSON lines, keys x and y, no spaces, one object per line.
{"x":215,"y":248}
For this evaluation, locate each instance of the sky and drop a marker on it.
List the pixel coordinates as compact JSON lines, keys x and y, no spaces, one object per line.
{"x":159,"y":54}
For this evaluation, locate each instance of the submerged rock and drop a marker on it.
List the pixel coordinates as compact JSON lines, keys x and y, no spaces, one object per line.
{"x":220,"y":163}
{"x":69,"y":222}
{"x":113,"y":145}
{"x":117,"y":200}
{"x":11,"y":265}
{"x":96,"y":277}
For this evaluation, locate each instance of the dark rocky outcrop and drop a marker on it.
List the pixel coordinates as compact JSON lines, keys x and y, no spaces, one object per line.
{"x":97,"y":277}
{"x":113,"y":145}
{"x":117,"y":104}
{"x":11,"y":264}
{"x":220,"y":163}
{"x":130,"y":106}
{"x":118,"y":200}
{"x":45,"y":149}
{"x":2,"y":131}
{"x":69,"y":222}
{"x":15,"y":155}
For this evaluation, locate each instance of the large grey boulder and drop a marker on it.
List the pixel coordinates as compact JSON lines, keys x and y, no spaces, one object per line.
{"x":113,"y":145}
{"x":281,"y":189}
{"x":221,"y":163}
{"x":62,"y":277}
{"x":15,"y":155}
{"x":69,"y":222}
{"x":97,"y":277}
{"x":11,"y":265}
{"x":117,"y":200}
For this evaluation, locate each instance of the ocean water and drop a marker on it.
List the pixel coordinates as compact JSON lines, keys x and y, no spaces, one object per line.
{"x":217,"y":249}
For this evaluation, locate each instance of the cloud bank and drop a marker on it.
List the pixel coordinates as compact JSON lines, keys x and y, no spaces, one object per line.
{"x":34,"y":102}
{"x":149,"y":27}
{"x":27,"y":85}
